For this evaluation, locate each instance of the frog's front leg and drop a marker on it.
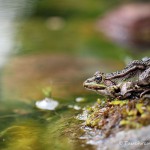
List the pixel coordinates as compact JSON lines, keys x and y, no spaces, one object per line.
{"x":113,"y":91}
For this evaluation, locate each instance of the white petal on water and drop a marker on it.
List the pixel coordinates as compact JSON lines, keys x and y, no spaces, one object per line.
{"x":80,"y":99}
{"x":47,"y":104}
{"x":70,"y":106}
{"x":76,"y":107}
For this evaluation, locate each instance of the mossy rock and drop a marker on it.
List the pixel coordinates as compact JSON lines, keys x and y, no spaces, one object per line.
{"x":114,"y":116}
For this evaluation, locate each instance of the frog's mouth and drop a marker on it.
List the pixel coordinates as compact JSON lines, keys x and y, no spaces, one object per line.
{"x":94,"y":86}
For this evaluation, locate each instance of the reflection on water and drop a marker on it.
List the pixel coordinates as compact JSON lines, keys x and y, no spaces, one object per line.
{"x":9,"y":12}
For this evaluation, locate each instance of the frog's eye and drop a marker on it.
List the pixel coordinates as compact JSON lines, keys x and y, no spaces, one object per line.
{"x":98,"y":79}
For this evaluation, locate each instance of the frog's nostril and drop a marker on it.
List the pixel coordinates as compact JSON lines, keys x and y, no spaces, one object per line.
{"x":86,"y":83}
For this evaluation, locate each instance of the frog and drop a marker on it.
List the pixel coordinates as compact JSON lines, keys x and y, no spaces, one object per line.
{"x":132,"y":81}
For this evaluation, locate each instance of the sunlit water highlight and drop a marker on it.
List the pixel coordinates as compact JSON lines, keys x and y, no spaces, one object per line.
{"x":10,"y":11}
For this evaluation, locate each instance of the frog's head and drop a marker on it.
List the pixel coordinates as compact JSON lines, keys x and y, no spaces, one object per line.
{"x":96,"y":83}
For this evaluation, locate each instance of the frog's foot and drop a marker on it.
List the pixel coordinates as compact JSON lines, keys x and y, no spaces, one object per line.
{"x":145,"y":94}
{"x":114,"y":91}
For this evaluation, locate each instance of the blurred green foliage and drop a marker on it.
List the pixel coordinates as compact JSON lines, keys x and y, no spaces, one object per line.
{"x":68,"y":26}
{"x":73,"y":8}
{"x":73,"y":32}
{"x":77,"y":36}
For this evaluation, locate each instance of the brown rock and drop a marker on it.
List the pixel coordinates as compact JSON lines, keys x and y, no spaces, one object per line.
{"x":128,"y":25}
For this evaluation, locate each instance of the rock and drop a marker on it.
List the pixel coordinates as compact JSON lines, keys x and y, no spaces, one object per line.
{"x":128,"y":140}
{"x":128,"y":25}
{"x":124,"y":140}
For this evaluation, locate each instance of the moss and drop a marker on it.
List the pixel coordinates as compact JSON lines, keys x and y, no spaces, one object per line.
{"x":117,"y":102}
{"x":117,"y":115}
{"x":131,"y":124}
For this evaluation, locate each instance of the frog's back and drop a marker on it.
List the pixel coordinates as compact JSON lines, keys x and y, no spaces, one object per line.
{"x":131,"y":72}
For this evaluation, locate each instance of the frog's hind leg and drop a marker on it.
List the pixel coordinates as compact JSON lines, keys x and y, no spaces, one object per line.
{"x":145,"y":94}
{"x":144,"y":78}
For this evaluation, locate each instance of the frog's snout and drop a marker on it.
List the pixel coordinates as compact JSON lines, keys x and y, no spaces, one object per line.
{"x":85,"y":83}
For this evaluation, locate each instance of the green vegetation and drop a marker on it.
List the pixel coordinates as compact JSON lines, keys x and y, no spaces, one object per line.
{"x":47,"y":91}
{"x":73,"y":8}
{"x":68,"y":27}
{"x":76,"y":37}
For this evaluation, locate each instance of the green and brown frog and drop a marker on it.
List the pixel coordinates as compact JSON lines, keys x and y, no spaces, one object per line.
{"x":131,"y":82}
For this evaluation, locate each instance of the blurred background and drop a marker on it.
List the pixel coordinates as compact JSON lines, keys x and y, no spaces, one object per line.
{"x":59,"y":44}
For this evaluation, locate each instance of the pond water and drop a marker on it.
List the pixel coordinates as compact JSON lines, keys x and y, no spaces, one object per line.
{"x":40,"y":50}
